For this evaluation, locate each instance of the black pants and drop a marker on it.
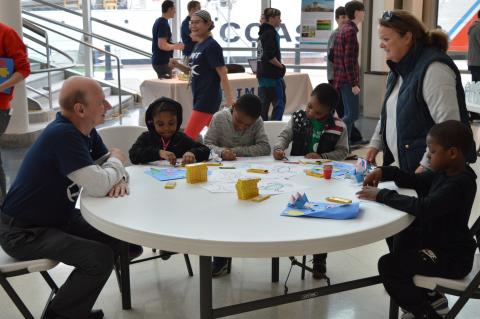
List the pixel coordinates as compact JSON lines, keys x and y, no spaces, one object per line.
{"x":163,"y":71}
{"x":4,"y":120}
{"x":398,"y":268}
{"x":475,"y":71}
{"x":77,"y":244}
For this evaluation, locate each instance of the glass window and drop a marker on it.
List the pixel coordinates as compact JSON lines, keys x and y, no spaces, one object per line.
{"x":455,"y":17}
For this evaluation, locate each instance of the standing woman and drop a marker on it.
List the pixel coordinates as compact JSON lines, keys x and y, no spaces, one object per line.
{"x":207,"y":72}
{"x":423,"y":88}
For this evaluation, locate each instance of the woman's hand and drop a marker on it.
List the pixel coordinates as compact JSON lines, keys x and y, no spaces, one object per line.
{"x":169,"y":156}
{"x":312,"y":155}
{"x":373,"y":178}
{"x":372,"y":155}
{"x":278,"y":154}
{"x":188,"y":158}
{"x":368,"y":193}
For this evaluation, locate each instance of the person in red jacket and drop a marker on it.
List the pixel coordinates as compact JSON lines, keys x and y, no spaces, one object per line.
{"x":12,"y":47}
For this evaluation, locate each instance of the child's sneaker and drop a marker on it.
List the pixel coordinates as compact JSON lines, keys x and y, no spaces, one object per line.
{"x":219,"y":266}
{"x":439,"y":303}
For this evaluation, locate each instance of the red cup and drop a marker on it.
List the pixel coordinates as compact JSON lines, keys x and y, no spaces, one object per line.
{"x":327,"y":171}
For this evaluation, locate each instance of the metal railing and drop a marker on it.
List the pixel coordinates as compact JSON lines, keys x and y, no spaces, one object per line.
{"x":93,"y":35}
{"x":32,"y":27}
{"x":98,"y":49}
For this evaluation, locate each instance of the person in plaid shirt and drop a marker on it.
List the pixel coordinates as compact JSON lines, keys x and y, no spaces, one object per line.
{"x":345,"y":63}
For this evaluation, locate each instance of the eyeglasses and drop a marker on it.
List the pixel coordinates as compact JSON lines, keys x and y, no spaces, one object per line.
{"x":387,"y":16}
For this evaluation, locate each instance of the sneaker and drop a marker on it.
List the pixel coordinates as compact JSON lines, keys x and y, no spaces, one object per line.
{"x":219,"y":266}
{"x":438,"y":301}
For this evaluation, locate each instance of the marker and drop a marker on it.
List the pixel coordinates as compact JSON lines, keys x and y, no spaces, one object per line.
{"x":292,"y":162}
{"x":214,"y":164}
{"x":227,"y":167}
{"x":310,"y":173}
{"x":155,"y":169}
{"x":260,"y":198}
{"x":257,"y":170}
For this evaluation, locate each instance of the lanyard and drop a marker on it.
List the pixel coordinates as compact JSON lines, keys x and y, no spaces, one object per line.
{"x":165,"y":145}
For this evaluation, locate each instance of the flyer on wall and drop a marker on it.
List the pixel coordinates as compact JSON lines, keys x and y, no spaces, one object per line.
{"x":316,"y":23}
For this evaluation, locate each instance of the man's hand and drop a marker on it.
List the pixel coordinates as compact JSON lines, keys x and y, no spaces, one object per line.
{"x":228,"y":155}
{"x":278,"y":154}
{"x":373,"y":178}
{"x":169,"y":156}
{"x":119,"y":189}
{"x":312,"y":155}
{"x":118,"y":154}
{"x":355,"y":90}
{"x":368,"y":193}
{"x":372,"y":155}
{"x":188,"y":158}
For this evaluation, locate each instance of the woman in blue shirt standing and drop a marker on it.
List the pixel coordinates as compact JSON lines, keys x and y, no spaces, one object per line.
{"x":207,"y":72}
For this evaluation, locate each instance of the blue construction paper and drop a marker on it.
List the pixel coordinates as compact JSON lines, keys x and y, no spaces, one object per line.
{"x":166,"y":174}
{"x":6,"y":71}
{"x":339,"y":169}
{"x":324,"y":210}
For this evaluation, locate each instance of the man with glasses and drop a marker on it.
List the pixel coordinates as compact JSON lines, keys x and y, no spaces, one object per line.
{"x":270,"y":70}
{"x":345,"y":61}
{"x":162,"y":46}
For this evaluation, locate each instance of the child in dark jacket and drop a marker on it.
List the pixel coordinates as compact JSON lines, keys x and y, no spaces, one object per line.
{"x":442,"y":246}
{"x":163,"y":139}
{"x":315,"y":133}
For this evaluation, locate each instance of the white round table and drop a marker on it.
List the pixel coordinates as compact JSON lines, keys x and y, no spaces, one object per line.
{"x":191,"y":220}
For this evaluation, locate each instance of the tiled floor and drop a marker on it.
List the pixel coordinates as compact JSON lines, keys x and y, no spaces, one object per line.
{"x":162,"y":289}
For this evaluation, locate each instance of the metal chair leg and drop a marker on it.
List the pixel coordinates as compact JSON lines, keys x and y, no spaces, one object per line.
{"x":229,"y":267}
{"x":393,"y":311}
{"x":304,"y":263}
{"x":189,"y":265}
{"x":15,"y":298}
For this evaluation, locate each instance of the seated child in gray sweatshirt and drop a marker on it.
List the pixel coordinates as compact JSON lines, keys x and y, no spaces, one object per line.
{"x":238,"y":131}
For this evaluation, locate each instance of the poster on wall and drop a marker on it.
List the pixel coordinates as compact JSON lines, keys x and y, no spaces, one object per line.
{"x":316,"y":23}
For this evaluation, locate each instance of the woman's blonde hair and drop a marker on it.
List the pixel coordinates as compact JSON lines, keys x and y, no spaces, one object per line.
{"x":402,"y":21}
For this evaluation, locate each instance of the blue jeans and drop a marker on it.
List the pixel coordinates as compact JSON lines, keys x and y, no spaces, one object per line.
{"x":350,"y":107}
{"x":275,"y":96}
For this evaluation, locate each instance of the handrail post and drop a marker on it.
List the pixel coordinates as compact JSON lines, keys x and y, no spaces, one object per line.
{"x":108,"y":64}
{"x":120,"y":113}
{"x":49,"y":75}
{"x":87,"y":27}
